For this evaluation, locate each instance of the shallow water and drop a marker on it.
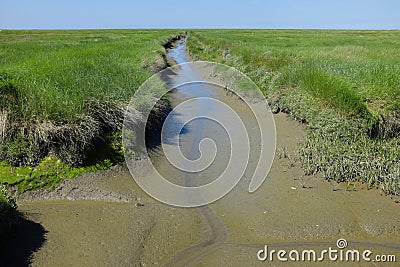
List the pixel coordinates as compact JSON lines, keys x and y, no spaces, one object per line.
{"x":228,"y":232}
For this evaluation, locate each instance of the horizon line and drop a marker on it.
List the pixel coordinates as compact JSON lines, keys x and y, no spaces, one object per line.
{"x":198,"y":28}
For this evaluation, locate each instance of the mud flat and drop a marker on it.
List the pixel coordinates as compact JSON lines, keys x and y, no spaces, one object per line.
{"x":111,"y":233}
{"x":142,"y":231}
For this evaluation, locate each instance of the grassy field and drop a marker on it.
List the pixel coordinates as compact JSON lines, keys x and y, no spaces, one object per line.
{"x":344,"y":84}
{"x":63,"y":93}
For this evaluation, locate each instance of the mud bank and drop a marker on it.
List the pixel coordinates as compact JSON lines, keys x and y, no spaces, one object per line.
{"x":281,"y":214}
{"x":85,"y":187}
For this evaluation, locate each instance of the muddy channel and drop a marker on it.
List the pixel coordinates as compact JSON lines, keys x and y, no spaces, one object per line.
{"x":105,"y":218}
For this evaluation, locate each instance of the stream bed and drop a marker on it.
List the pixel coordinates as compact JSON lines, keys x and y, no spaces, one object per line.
{"x":140,"y":231}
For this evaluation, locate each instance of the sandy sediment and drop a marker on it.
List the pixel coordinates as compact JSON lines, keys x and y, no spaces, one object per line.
{"x":281,"y":214}
{"x":88,"y":186}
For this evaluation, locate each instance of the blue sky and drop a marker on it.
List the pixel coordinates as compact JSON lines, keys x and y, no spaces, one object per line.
{"x":78,"y":14}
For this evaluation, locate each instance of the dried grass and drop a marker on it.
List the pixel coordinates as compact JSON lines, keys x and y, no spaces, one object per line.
{"x":3,"y":126}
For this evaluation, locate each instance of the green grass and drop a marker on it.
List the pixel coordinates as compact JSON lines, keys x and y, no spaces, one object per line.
{"x":344,"y":84}
{"x":61,"y":92}
{"x":51,"y":74}
{"x":366,"y":62}
{"x":62,"y":99}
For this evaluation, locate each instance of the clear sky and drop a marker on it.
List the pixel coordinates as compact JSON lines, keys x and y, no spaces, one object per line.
{"x":78,"y":14}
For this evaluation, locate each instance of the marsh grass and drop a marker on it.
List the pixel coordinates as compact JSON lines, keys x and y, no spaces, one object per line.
{"x":345,"y":85}
{"x":51,"y":76}
{"x":69,"y":86}
{"x":64,"y":93}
